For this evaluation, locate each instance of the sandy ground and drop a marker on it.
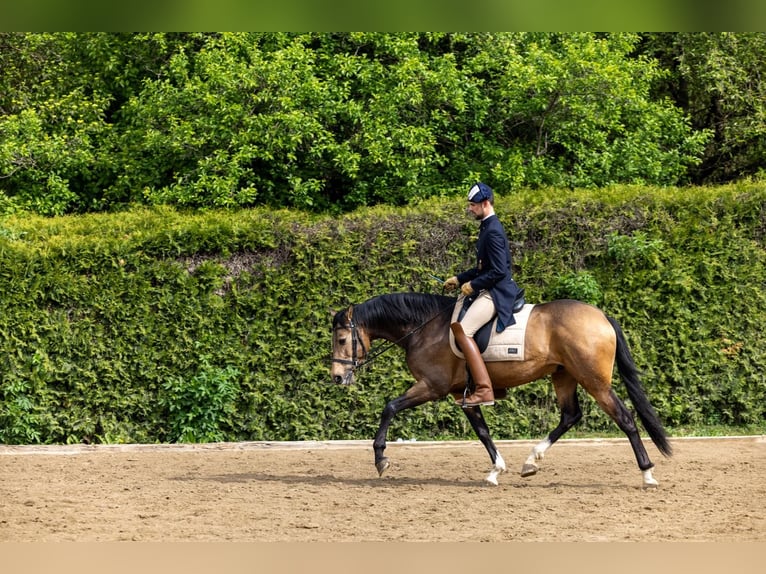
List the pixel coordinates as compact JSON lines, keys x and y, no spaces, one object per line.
{"x":711,"y":490}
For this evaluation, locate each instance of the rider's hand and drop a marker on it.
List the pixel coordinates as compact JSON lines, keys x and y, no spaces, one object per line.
{"x":466,"y":289}
{"x":451,"y":283}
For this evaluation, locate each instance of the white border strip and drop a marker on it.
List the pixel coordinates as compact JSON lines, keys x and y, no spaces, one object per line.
{"x":317,"y":445}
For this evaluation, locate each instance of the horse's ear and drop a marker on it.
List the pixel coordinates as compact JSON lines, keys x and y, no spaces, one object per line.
{"x":350,"y":313}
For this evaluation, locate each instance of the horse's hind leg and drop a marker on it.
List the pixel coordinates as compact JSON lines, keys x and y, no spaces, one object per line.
{"x":481,"y":429}
{"x":616,"y":409}
{"x":566,"y":394}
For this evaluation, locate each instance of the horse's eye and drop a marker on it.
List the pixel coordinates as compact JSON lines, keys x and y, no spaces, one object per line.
{"x":342,"y":341}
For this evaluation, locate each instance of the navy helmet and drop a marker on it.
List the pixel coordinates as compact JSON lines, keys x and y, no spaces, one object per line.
{"x":479,"y":192}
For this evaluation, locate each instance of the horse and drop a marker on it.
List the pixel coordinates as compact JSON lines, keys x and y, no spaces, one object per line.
{"x":573,"y":342}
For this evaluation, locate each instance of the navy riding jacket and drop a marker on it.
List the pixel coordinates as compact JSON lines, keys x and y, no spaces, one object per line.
{"x":493,"y":270}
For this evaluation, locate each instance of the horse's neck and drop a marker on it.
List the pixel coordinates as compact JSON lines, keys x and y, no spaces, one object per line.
{"x":389,"y":333}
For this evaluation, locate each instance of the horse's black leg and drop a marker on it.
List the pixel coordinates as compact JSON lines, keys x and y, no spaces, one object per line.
{"x":379,"y":444}
{"x":570,"y":416}
{"x":627,"y":424}
{"x":620,"y":414}
{"x":569,"y":405}
{"x":479,"y":425}
{"x":417,"y":395}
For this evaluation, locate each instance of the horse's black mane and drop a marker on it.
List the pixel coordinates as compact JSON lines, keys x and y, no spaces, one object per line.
{"x":403,"y":309}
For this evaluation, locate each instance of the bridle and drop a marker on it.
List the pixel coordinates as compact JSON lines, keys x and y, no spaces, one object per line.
{"x":356,"y":341}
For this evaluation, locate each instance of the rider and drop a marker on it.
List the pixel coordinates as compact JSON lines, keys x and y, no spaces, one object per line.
{"x":492,"y":287}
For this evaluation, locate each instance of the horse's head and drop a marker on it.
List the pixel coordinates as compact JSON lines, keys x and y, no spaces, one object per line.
{"x":350,"y":343}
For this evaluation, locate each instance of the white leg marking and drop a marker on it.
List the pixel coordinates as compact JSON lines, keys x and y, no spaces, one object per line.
{"x":497,"y":470}
{"x":541,"y":448}
{"x":538,"y":453}
{"x":530,"y":467}
{"x":649,"y":480}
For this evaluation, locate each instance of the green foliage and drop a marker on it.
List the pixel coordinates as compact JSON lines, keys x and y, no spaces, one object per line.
{"x":327,"y":122}
{"x":718,"y":79}
{"x":581,"y":286}
{"x":60,"y":105}
{"x":160,"y":325}
{"x":575,"y":111}
{"x":638,"y":246}
{"x":200,"y":409}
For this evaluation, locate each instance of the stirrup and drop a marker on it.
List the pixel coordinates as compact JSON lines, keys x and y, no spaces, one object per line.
{"x":481,"y":404}
{"x":465,"y":405}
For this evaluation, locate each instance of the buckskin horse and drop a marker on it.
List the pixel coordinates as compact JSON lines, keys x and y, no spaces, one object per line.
{"x":573,"y":342}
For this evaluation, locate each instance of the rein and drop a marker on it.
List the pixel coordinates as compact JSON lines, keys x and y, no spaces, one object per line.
{"x":368,"y":358}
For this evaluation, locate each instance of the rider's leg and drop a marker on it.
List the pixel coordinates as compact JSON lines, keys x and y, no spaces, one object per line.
{"x":481,"y":311}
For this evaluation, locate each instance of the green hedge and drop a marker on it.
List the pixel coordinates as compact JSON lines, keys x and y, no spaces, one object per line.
{"x":156,"y":325}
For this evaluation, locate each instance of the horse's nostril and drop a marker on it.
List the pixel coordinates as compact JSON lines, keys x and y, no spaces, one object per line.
{"x":337,"y":379}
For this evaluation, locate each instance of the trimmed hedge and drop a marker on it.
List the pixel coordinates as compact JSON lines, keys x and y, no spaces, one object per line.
{"x":156,"y":325}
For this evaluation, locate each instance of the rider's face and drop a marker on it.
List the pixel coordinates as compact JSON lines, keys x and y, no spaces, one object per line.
{"x":477,"y":209}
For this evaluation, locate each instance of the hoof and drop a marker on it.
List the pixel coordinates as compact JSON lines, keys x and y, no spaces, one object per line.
{"x":382,"y":465}
{"x":529,"y":470}
{"x":649,"y":480}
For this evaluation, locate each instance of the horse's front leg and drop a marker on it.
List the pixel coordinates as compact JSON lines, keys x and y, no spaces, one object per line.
{"x":481,"y":429}
{"x":417,"y":395}
{"x":379,"y":444}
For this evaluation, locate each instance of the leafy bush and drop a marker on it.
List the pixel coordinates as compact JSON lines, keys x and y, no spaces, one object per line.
{"x":327,"y":122}
{"x":161,"y":325}
{"x":581,"y":286}
{"x":200,"y":409}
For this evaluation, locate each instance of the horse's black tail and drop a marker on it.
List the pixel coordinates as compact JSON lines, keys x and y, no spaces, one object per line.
{"x":630,"y":377}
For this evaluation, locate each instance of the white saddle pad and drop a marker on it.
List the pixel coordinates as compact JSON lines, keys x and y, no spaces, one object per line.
{"x":505,"y":346}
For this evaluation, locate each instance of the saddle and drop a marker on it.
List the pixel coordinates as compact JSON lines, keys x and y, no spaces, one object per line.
{"x":483,"y":335}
